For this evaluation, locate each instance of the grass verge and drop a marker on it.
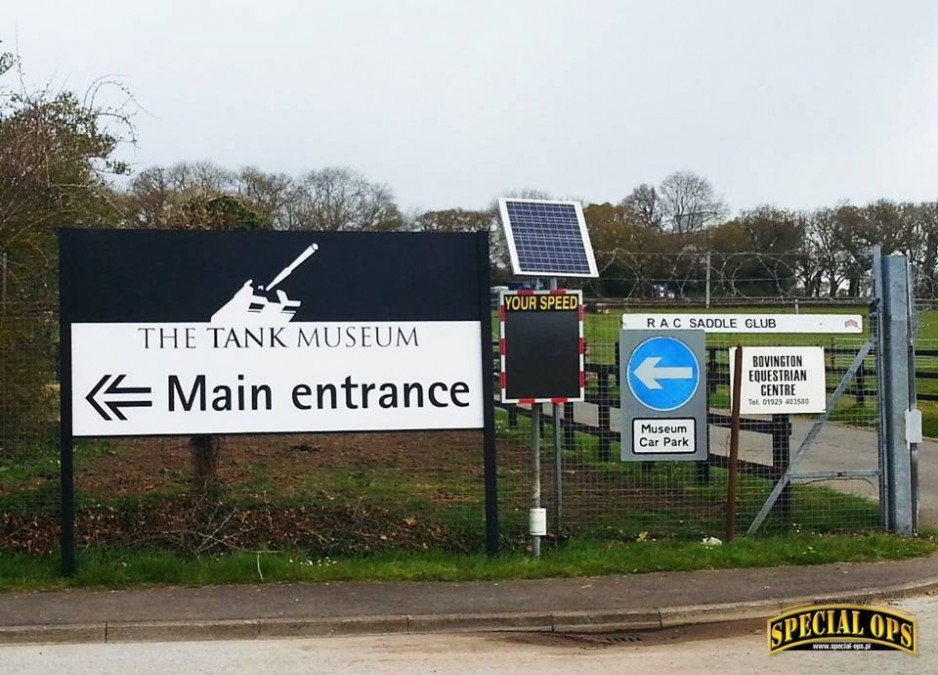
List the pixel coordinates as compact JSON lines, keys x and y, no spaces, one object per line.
{"x":121,"y":569}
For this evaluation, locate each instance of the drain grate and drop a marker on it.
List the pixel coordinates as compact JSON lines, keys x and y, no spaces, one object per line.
{"x":601,"y":639}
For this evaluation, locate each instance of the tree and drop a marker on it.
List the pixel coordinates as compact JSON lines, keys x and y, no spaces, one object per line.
{"x":268,"y":193}
{"x":774,"y":237}
{"x":200,"y":196}
{"x":645,"y":204}
{"x":892,"y":226}
{"x":151,"y":198}
{"x":56,"y":152}
{"x":927,"y":227}
{"x":628,"y":253}
{"x":338,"y":199}
{"x":688,"y":202}
{"x":825,"y":259}
{"x":453,"y":220}
{"x":222,"y":212}
{"x":850,"y":235}
{"x":219,"y":212}
{"x":200,"y":178}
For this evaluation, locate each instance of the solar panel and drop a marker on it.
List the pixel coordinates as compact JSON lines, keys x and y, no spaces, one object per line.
{"x":547,"y":238}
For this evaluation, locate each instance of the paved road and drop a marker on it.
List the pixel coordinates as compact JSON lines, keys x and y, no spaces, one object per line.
{"x":737,"y":649}
{"x":839,"y":447}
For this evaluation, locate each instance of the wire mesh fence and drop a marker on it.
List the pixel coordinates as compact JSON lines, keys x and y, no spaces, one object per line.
{"x":588,"y":491}
{"x":29,"y":454}
{"x":353,"y":494}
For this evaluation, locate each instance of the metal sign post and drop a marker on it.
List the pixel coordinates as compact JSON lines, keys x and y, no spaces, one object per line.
{"x":558,"y":447}
{"x":542,"y":361}
{"x":732,"y":479}
{"x":489,"y":447}
{"x":537,"y":525}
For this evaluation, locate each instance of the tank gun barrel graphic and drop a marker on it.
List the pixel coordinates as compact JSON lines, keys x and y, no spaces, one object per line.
{"x":256,"y":307}
{"x":288,"y":270}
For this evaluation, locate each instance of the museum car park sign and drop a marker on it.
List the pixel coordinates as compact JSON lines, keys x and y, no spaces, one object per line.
{"x":241,"y":332}
{"x":663,"y":396}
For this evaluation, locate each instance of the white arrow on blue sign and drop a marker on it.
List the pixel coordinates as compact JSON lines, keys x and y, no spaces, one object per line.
{"x":663,"y":373}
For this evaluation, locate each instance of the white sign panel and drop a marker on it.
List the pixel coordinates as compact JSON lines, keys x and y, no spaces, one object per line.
{"x":664,"y":436}
{"x":201,"y":378}
{"x":781,"y":380}
{"x":842,"y":324}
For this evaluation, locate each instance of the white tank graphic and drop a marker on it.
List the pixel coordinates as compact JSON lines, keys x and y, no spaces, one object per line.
{"x":255,"y":308}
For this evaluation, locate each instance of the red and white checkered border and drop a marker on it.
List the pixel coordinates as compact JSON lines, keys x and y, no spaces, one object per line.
{"x":503,"y":348}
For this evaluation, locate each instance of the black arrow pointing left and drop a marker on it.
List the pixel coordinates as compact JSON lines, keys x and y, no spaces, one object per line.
{"x":115,"y":389}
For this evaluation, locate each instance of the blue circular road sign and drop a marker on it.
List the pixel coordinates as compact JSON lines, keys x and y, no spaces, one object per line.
{"x":663,"y":373}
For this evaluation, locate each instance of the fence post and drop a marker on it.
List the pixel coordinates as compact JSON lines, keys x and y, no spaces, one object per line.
{"x":3,"y":282}
{"x":895,"y":362}
{"x":859,"y":386}
{"x":781,"y":453}
{"x":711,"y":370}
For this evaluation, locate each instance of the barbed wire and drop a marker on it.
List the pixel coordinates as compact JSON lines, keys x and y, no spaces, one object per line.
{"x":693,"y":275}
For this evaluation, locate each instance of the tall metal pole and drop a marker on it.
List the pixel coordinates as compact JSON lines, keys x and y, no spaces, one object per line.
{"x":877,"y":330}
{"x":489,"y":458}
{"x":913,"y":395}
{"x":558,"y":446}
{"x":895,"y":395}
{"x":536,"y":478}
{"x":734,"y":446}
{"x":708,"y":279}
{"x":66,"y":439}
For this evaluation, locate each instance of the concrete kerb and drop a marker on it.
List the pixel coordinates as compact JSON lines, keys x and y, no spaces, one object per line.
{"x":558,"y":622}
{"x":354,"y":625}
{"x":470,"y":623}
{"x":53,"y":633}
{"x":169,"y":631}
{"x":606,"y":621}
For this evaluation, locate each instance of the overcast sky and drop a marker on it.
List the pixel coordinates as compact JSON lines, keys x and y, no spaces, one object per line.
{"x":451,"y":103}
